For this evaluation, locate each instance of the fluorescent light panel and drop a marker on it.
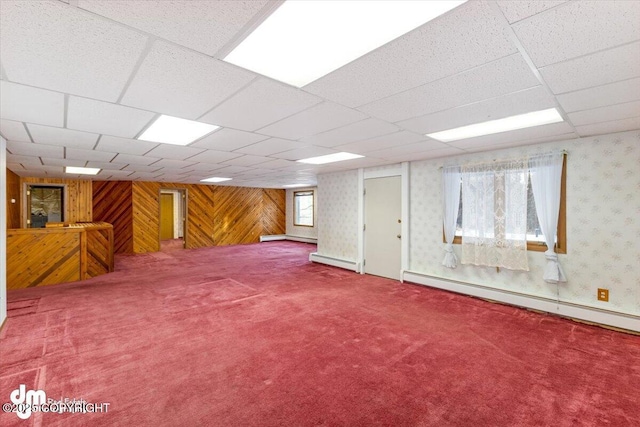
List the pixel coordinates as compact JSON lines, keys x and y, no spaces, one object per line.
{"x":521,"y":121}
{"x":330,"y":158}
{"x":176,"y":131}
{"x":215,"y":179}
{"x":81,"y":171}
{"x":304,"y":40}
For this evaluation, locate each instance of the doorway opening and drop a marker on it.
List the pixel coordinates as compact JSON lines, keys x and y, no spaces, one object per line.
{"x":173,"y":219}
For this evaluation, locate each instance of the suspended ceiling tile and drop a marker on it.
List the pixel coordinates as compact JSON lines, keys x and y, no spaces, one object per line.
{"x":579,"y":28}
{"x":512,"y":104}
{"x":15,"y":167}
{"x":105,"y":165}
{"x":521,"y":142}
{"x":31,"y":149}
{"x":105,"y":118}
{"x":512,"y":137}
{"x":63,"y":162}
{"x":261,"y":103}
{"x":64,"y":137}
{"x":13,"y":131}
{"x":515,"y":11}
{"x":386,"y":141}
{"x":232,"y":171}
{"x":81,"y":53}
{"x":497,"y":78}
{"x":605,"y":114}
{"x":368,"y":128}
{"x":31,"y":105}
{"x":99,"y":156}
{"x":214,"y":156}
{"x":25,"y":160}
{"x":173,"y":164}
{"x":247,"y":160}
{"x":600,"y":96}
{"x":124,"y":145}
{"x":143,"y":176}
{"x":140,"y":168}
{"x":609,"y":127}
{"x":417,"y":147}
{"x":466,"y":37}
{"x":176,"y":152}
{"x":270,"y":146}
{"x":594,"y":70}
{"x":206,"y":167}
{"x":320,"y":118}
{"x":429,"y":154}
{"x":115,"y":174}
{"x":131,"y":159}
{"x":277,"y":164}
{"x":228,"y":140}
{"x":303,"y":153}
{"x":182,"y":83}
{"x":205,"y":26}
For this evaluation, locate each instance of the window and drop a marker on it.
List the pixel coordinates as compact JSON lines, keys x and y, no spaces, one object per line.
{"x":303,"y":208}
{"x":535,"y":238}
{"x":45,"y":203}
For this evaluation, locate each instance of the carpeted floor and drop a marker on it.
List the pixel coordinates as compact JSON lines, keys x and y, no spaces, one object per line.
{"x":255,"y":335}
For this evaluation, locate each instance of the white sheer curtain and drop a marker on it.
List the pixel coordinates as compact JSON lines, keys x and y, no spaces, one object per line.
{"x":546,"y":180}
{"x":451,"y":196}
{"x":494,"y":214}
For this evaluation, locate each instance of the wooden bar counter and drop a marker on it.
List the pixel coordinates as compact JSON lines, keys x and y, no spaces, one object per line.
{"x":58,"y":253}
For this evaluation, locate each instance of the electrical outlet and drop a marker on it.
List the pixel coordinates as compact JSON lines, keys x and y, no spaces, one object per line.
{"x":603,"y":294}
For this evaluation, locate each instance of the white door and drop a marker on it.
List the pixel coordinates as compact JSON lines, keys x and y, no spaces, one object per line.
{"x":382,"y":214}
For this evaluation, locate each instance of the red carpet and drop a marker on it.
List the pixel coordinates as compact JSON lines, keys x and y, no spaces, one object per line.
{"x":255,"y":335}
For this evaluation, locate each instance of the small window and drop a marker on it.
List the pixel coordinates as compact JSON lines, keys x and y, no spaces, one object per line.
{"x":45,"y":203}
{"x":303,"y":208}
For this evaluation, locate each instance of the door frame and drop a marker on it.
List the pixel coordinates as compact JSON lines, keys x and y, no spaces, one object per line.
{"x":25,"y":215}
{"x":184,"y":198}
{"x":401,"y":170}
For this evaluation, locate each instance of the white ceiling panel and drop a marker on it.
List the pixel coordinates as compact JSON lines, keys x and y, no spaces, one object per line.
{"x":600,"y":96}
{"x":303,"y":153}
{"x":176,"y":152}
{"x":214,"y":156}
{"x":232,"y":171}
{"x":497,"y":78}
{"x":31,"y":105}
{"x":205,"y":26}
{"x":63,"y":162}
{"x":270,"y":146}
{"x":260,"y":104}
{"x":430,"y":154}
{"x":609,"y":127}
{"x":515,"y":11}
{"x":26,"y":160}
{"x":65,"y":137}
{"x":13,"y":131}
{"x":579,"y":28}
{"x":105,"y":118}
{"x":173,"y":164}
{"x":464,"y":38}
{"x":106,"y":165}
{"x":381,"y":142}
{"x":594,"y":70}
{"x":144,"y":176}
{"x":15,"y":167}
{"x":228,"y":140}
{"x":141,"y":168}
{"x":182,"y":83}
{"x":606,"y":114}
{"x":521,"y":102}
{"x":115,"y":174}
{"x":99,"y":156}
{"x":365,"y":129}
{"x":417,"y":147}
{"x":512,"y":137}
{"x":320,"y":118}
{"x":247,"y":160}
{"x":31,"y":149}
{"x":81,"y":53}
{"x":277,"y":164}
{"x":123,"y":145}
{"x":205,"y":167}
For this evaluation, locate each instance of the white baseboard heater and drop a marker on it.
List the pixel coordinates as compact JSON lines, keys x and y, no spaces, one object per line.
{"x":275,"y":237}
{"x":335,"y":262}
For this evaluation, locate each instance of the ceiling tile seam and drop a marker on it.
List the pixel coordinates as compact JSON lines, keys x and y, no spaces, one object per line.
{"x":3,"y":74}
{"x":468,"y":70}
{"x":595,"y":52}
{"x":604,"y":106}
{"x":525,"y":55}
{"x":143,"y":55}
{"x":65,"y":113}
{"x":97,"y":142}
{"x":350,"y":124}
{"x":294,"y":114}
{"x":610,"y":121}
{"x":243,"y":87}
{"x":542,"y":12}
{"x":597,"y":86}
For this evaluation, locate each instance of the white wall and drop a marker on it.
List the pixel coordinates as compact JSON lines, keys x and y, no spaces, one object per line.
{"x":298,"y":231}
{"x":603,"y":223}
{"x":3,"y":230}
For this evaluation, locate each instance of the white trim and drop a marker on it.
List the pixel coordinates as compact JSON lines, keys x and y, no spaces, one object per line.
{"x":335,"y":262}
{"x":575,"y":311}
{"x":404,"y":264}
{"x":383,"y":173}
{"x":273,"y":237}
{"x":361,"y":220}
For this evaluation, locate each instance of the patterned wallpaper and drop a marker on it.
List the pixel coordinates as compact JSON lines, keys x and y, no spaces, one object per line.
{"x":338,"y":215}
{"x":603,"y":223}
{"x":293,"y":230}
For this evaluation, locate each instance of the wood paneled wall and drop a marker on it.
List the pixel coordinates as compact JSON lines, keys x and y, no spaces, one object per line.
{"x":216,"y":215}
{"x":13,"y":192}
{"x":78,"y":204}
{"x":113,"y":203}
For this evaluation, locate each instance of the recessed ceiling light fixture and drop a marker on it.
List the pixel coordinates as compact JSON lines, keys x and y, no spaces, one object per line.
{"x":176,"y":131}
{"x":215,"y":179}
{"x":81,"y":171}
{"x":521,"y":121}
{"x":302,"y":41}
{"x":330,"y":158}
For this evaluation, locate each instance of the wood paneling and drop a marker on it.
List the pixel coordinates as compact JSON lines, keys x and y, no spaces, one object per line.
{"x":78,"y":205}
{"x":113,"y":203}
{"x":146,"y":217}
{"x":99,"y":251}
{"x":13,"y":192}
{"x":238,"y":215}
{"x":273,"y":211}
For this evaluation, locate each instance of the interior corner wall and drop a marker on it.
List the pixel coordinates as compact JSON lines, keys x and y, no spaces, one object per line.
{"x":337,"y":195}
{"x":13,"y":193}
{"x":3,"y":231}
{"x":302,"y":231}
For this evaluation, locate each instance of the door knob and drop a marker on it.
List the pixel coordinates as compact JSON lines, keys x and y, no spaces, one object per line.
{"x":399,"y":236}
